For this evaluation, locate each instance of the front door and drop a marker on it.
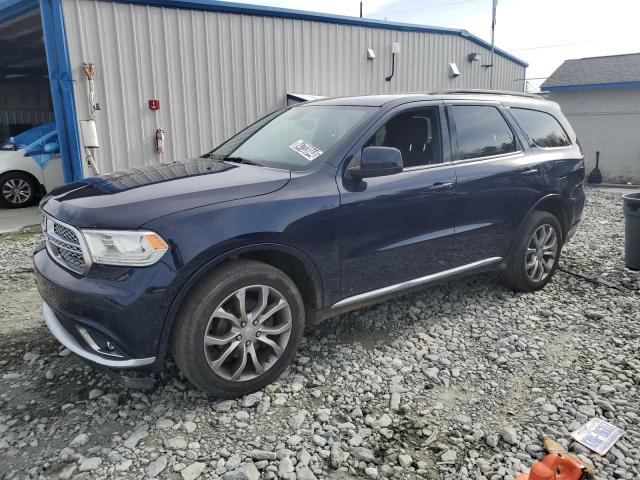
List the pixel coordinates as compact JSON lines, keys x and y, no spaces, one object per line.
{"x":399,"y":227}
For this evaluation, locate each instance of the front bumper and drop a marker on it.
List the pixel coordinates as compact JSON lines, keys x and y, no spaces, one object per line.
{"x":69,"y":341}
{"x":112,"y":316}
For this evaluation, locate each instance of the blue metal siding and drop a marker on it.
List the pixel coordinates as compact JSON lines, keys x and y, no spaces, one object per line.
{"x":61,"y":83}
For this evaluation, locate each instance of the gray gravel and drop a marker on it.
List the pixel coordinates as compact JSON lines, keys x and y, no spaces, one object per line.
{"x":459,"y":381}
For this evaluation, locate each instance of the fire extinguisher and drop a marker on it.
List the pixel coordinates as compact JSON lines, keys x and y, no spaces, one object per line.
{"x":159,"y":141}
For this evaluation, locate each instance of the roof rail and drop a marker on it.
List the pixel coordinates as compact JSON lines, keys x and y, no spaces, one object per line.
{"x":480,"y":91}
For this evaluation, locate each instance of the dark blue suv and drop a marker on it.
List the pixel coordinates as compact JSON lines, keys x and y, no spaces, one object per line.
{"x":312,"y":211}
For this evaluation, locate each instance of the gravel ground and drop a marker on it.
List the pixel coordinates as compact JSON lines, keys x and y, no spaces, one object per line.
{"x":459,"y":381}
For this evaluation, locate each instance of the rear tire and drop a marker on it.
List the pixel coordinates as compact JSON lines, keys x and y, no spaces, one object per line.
{"x":536,"y":254}
{"x":226,"y":341}
{"x":18,"y":190}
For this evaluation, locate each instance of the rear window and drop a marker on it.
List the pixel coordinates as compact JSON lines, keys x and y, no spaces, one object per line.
{"x":481,"y":132}
{"x":543,"y":129}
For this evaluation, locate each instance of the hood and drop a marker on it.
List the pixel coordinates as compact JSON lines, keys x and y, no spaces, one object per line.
{"x":131,"y":198}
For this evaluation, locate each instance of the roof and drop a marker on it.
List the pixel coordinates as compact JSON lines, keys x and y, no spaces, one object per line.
{"x":241,"y":8}
{"x":615,"y":71}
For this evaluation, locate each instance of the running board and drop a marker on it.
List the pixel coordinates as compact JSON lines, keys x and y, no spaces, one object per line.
{"x":414,"y":283}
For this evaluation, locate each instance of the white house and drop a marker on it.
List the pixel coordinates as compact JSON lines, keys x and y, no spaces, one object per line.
{"x":601,"y":98}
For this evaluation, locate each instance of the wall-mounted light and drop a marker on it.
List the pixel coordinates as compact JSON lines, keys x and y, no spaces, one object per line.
{"x":370,"y":54}
{"x":395,"y":50}
{"x":453,"y":70}
{"x":474,"y":57}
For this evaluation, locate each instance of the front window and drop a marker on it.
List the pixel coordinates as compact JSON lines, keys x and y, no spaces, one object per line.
{"x":294,"y":138}
{"x":416,"y":133}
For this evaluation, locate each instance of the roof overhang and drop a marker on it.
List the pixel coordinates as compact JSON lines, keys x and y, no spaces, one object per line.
{"x":264,"y":11}
{"x":590,"y":86}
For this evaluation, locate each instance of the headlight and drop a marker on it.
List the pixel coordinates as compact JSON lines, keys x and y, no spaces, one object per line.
{"x":114,"y":247}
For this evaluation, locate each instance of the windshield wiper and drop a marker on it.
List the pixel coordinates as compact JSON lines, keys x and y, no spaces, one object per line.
{"x":236,"y":160}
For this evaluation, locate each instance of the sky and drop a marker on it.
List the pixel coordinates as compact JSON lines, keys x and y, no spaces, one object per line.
{"x":543,"y":33}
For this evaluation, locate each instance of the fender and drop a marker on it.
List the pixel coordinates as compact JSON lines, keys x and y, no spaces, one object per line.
{"x":208,"y":266}
{"x":552,"y":197}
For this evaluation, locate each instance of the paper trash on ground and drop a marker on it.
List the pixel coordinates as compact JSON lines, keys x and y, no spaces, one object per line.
{"x":598,"y":435}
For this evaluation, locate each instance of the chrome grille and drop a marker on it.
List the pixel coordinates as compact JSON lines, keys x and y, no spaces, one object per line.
{"x":64,"y":244}
{"x":66,"y":233}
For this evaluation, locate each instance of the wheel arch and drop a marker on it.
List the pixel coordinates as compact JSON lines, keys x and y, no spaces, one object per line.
{"x":554,"y":204}
{"x":558,"y":207}
{"x":38,"y":181}
{"x":293,"y":262}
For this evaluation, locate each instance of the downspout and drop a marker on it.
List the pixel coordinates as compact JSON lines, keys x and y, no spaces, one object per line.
{"x":90,"y":73}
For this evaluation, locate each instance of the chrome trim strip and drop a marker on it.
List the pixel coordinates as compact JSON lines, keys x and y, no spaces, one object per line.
{"x":94,"y":346}
{"x":66,"y":339}
{"x":517,"y":153}
{"x":414,"y":283}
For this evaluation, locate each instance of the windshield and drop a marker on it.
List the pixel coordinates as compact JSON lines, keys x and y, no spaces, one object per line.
{"x":293,"y":138}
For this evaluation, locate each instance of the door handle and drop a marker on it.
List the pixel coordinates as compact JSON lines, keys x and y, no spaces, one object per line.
{"x":531,"y":171}
{"x":440,"y":186}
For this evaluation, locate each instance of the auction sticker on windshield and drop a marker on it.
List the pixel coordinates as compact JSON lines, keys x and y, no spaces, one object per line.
{"x":305,"y":149}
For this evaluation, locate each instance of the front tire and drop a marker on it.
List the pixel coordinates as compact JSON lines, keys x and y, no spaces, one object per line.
{"x":239,"y":329}
{"x":17,"y":190}
{"x":536,"y":254}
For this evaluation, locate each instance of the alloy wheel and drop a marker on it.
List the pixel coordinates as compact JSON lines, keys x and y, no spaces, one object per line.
{"x":16,"y":191}
{"x":541,"y":253}
{"x":247,"y":333}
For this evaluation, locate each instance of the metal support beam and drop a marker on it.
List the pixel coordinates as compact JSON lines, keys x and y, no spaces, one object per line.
{"x":61,"y":81}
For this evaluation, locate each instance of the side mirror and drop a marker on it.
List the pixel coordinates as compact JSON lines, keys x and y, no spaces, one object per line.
{"x":377,"y":162}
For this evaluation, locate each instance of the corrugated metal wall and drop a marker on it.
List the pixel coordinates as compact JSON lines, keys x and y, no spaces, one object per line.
{"x":214,"y":73}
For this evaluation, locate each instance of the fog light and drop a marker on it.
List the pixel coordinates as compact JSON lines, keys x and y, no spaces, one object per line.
{"x":98,"y":343}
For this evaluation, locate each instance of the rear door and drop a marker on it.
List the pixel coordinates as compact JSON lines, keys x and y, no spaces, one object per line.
{"x":399,"y":227}
{"x":497,"y":180}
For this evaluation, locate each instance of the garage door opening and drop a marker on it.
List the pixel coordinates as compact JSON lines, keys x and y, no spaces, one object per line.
{"x":37,"y":150}
{"x":25,"y":96}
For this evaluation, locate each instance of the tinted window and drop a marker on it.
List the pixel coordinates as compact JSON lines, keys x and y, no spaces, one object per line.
{"x":542,"y":128}
{"x":415,"y":133}
{"x":481,"y":132}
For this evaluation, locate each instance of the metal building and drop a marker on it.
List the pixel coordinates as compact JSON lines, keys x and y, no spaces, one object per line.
{"x":215,"y":67}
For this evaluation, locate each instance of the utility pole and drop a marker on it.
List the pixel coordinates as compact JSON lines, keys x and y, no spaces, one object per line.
{"x":493,"y":34}
{"x":360,"y":9}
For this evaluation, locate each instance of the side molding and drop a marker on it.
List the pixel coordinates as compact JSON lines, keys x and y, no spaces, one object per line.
{"x":414,"y":282}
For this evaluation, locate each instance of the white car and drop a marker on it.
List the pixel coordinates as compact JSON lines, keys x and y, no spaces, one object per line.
{"x":30,"y":165}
